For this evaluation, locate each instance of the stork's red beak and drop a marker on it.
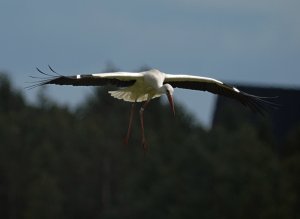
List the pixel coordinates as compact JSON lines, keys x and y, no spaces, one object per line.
{"x":170,"y":98}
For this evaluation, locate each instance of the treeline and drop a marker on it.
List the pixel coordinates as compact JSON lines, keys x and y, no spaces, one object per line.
{"x":62,"y":163}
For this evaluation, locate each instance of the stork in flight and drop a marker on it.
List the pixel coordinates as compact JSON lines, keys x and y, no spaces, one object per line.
{"x":146,"y":85}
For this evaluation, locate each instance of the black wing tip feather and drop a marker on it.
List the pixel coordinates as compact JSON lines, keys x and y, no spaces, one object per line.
{"x":47,"y":74}
{"x":261,"y":105}
{"x":43,"y":80}
{"x":258,"y":104}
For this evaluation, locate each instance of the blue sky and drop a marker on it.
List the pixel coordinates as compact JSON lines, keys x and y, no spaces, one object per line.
{"x":249,"y":42}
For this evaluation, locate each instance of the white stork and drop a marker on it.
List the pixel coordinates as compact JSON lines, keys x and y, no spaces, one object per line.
{"x":146,"y":85}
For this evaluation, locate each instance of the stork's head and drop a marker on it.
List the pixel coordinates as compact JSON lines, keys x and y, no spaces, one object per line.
{"x":168,"y":90}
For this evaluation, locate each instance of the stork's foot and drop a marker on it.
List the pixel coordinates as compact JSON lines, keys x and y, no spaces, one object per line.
{"x":144,"y":145}
{"x":126,"y":140}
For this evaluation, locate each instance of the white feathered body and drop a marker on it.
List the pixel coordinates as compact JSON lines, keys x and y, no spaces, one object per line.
{"x":145,"y":88}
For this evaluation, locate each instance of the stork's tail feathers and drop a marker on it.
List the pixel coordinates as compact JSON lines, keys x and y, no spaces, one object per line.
{"x":126,"y":95}
{"x":122,"y":95}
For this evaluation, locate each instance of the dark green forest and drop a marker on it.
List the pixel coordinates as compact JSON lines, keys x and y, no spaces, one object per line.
{"x":57,"y":162}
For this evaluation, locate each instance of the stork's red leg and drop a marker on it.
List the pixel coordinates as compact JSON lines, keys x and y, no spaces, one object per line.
{"x":142,"y":124}
{"x":129,"y":125}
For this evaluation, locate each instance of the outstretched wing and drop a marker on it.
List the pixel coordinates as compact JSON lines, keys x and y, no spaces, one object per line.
{"x":119,"y":79}
{"x":255,"y":103}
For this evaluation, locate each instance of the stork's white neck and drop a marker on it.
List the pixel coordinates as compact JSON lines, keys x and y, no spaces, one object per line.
{"x":166,"y":88}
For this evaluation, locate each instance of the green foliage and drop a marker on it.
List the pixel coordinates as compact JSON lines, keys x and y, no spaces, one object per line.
{"x":57,"y":163}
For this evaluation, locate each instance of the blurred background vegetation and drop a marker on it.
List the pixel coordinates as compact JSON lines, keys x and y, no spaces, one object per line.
{"x":61,"y":163}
